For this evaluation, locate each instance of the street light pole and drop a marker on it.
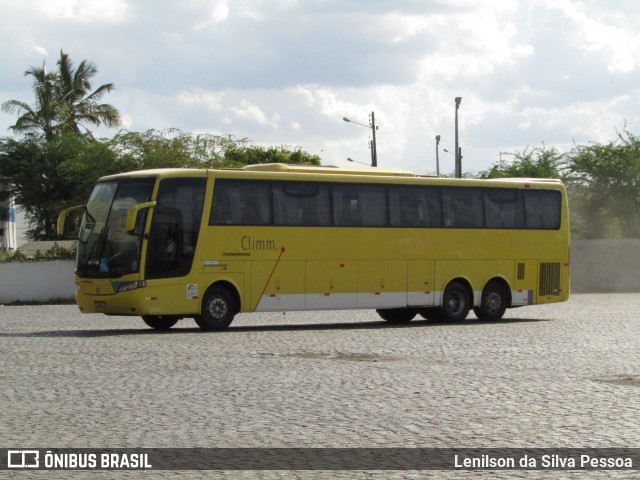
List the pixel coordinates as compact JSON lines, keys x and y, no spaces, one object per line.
{"x":458,"y":152}
{"x":373,"y":144}
{"x":374,"y":147}
{"x":437,"y":156}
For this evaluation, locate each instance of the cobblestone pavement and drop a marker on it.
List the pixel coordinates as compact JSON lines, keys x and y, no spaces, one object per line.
{"x":563,"y":375}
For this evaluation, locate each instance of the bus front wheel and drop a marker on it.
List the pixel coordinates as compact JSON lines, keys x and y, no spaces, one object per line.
{"x":160,"y":322}
{"x":456,"y":302}
{"x":493,"y":303}
{"x":218,"y":309}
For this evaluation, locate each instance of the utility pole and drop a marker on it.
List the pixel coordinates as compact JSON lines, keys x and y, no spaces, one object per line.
{"x":437,"y":156}
{"x":372,"y":143}
{"x":458,"y":150}
{"x":374,"y":147}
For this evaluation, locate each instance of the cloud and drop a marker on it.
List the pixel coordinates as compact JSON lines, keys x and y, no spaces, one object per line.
{"x":34,"y":49}
{"x":474,"y":43}
{"x":248,"y":110}
{"x":597,"y":30}
{"x":126,"y":122}
{"x":219,"y":14}
{"x":287,"y":71}
{"x":83,"y":10}
{"x":198,"y":98}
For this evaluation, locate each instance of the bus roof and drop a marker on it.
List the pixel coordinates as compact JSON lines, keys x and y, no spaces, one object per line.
{"x":529,"y":180}
{"x":171,"y":172}
{"x":297,"y":168}
{"x":317,"y":171}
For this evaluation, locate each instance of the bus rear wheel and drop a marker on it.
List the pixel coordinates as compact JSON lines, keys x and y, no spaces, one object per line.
{"x":218,"y":309}
{"x":493,"y":302}
{"x":396,"y":315}
{"x":160,"y":322}
{"x":456,"y":302}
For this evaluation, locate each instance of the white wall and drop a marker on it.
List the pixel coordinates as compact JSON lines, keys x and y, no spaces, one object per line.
{"x":607,"y":265}
{"x":21,"y":227}
{"x":37,"y":281}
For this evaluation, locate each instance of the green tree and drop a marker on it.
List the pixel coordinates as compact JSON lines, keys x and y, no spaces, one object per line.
{"x":605,"y":187}
{"x":252,"y":155}
{"x":171,"y":148}
{"x":41,"y":117}
{"x":78,"y":105}
{"x":47,"y":176}
{"x":536,"y":162}
{"x":64,"y":101}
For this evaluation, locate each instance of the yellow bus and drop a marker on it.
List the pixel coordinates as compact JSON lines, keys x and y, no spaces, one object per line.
{"x":208,"y":244}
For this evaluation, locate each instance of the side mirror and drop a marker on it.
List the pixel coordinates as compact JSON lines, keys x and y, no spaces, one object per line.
{"x":131,"y":225}
{"x":62,"y":219}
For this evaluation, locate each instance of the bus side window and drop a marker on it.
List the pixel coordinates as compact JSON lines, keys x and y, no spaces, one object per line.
{"x":414,"y":207}
{"x":164,"y":238}
{"x":357,"y":205}
{"x":221,"y":212}
{"x":237,"y":202}
{"x":463,"y":208}
{"x":347,"y":211}
{"x":301,"y":203}
{"x":374,"y":205}
{"x":503,"y":208}
{"x":542,"y":208}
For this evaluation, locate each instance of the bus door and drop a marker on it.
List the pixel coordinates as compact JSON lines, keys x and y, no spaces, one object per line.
{"x":171,"y":245}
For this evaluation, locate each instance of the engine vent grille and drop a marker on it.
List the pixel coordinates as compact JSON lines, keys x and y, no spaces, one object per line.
{"x":549,"y":278}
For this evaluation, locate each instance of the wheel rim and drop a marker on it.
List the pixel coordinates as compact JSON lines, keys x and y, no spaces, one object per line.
{"x":493,"y":301}
{"x":455,"y":304}
{"x":217,"y":308}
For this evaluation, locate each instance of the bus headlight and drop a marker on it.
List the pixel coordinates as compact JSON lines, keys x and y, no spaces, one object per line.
{"x":128,"y":286}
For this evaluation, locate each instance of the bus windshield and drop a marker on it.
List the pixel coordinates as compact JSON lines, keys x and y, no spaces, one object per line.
{"x":104,"y":248}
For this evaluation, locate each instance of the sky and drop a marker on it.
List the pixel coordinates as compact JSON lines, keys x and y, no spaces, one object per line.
{"x":286,"y":72}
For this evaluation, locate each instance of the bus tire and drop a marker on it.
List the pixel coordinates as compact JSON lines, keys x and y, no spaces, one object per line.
{"x":218,"y":309}
{"x":493,"y":303}
{"x":396,"y":315}
{"x":160,"y":322}
{"x":456,"y":302}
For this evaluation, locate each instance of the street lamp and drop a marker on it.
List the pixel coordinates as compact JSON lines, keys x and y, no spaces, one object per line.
{"x":374,"y":148}
{"x":458,"y":152}
{"x":437,"y":156}
{"x":356,"y":161}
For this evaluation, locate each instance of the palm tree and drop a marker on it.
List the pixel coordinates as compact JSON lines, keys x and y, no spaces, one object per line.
{"x":77,"y":104}
{"x":42,"y":116}
{"x":64,"y":101}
